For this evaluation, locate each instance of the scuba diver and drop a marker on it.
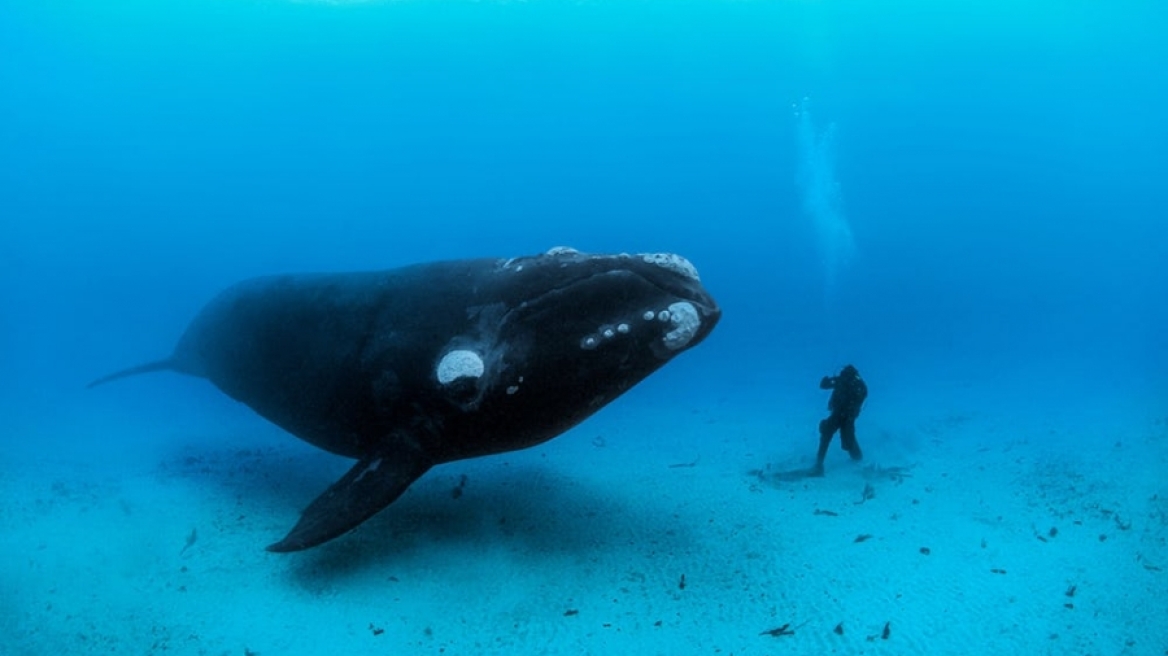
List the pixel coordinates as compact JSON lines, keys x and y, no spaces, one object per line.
{"x":848,"y":392}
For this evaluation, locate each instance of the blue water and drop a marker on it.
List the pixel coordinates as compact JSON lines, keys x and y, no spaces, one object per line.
{"x":966,"y":181}
{"x":936,"y":192}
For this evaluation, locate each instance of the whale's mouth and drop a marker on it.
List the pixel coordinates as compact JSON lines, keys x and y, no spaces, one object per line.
{"x":679,"y":279}
{"x":662,"y":288}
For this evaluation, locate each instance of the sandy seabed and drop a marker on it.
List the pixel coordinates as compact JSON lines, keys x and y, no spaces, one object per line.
{"x":643,"y":531}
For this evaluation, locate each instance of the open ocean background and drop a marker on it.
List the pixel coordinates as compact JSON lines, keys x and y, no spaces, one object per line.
{"x":965,"y":199}
{"x":931,"y":189}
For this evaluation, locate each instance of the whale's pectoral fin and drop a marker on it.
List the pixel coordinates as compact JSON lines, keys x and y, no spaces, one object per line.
{"x":160,"y":365}
{"x":372,"y":484}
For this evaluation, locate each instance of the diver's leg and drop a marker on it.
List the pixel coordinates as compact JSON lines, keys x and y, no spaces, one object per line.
{"x":827,"y":428}
{"x":848,"y":439}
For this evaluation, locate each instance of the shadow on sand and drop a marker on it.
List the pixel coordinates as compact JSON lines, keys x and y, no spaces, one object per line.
{"x":514,"y":503}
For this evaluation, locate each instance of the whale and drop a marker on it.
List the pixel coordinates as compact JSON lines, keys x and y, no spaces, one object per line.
{"x":408,"y":368}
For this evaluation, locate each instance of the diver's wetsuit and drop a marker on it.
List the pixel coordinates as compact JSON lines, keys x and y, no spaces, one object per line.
{"x":848,"y":392}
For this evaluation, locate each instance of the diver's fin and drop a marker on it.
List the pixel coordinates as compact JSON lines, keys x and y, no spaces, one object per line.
{"x":160,"y":365}
{"x":372,"y":484}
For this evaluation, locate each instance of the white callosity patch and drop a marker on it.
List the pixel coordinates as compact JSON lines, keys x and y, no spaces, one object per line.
{"x":685,"y":320}
{"x":459,"y":364}
{"x":516,"y":263}
{"x":562,"y":250}
{"x":675,"y":263}
{"x":607,"y":333}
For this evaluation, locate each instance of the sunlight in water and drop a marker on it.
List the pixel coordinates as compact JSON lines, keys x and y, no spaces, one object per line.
{"x":822,"y":200}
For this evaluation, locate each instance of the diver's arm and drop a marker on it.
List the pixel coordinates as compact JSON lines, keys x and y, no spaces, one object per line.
{"x":827,"y":382}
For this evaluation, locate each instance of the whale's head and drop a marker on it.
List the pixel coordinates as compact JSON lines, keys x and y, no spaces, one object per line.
{"x":645,"y":307}
{"x":568,"y":333}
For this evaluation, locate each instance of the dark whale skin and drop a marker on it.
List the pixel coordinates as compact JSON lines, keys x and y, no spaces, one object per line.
{"x":407,"y":368}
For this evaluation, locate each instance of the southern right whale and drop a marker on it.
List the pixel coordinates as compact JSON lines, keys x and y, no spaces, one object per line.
{"x":408,"y":368}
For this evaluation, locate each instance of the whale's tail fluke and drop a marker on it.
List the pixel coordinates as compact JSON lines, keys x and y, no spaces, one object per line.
{"x":159,"y":365}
